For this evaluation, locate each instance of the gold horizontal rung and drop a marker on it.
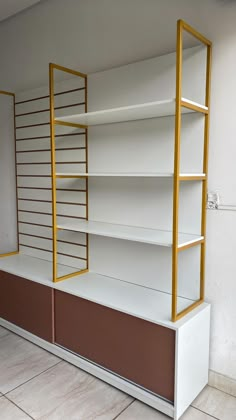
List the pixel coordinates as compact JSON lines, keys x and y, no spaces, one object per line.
{"x":4,"y":92}
{"x":195,"y":33}
{"x":188,"y":309}
{"x":68,"y":276}
{"x":68,"y":124}
{"x":8,"y":254}
{"x":67,"y":70}
{"x":194,"y":107}
{"x":192,"y":177}
{"x":71,"y":176}
{"x":191,"y":244}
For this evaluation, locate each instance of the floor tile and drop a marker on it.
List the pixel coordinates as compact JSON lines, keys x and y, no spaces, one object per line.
{"x":21,"y":360}
{"x":9,"y":411}
{"x":216,"y":403}
{"x":225,"y":384}
{"x":140,"y":411}
{"x":3,"y":332}
{"x":66,"y":392}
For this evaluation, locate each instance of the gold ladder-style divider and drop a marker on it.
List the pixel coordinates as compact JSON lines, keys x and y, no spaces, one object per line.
{"x":181,"y":27}
{"x":53,"y":123}
{"x":4,"y":92}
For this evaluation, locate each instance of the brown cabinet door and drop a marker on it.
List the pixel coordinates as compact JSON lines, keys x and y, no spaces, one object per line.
{"x":26,"y":304}
{"x":139,"y":351}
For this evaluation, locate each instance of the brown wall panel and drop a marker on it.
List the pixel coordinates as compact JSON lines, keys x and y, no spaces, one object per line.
{"x":27,"y":304}
{"x":138,"y":350}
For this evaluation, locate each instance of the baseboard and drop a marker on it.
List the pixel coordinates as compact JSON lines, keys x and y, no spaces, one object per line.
{"x":223,"y":383}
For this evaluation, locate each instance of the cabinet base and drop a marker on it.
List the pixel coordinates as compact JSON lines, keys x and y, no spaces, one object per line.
{"x":106,"y":376}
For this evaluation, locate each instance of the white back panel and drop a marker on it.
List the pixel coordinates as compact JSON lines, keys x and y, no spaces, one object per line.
{"x":146,"y":146}
{"x":148,"y":80}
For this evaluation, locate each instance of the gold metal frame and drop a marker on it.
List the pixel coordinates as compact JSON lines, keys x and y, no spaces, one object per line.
{"x":8,"y":254}
{"x":183,"y":26}
{"x":54,"y":176}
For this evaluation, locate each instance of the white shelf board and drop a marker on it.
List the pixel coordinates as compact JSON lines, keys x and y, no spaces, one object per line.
{"x":148,"y":304}
{"x":130,"y":233}
{"x":127,"y":174}
{"x":128,"y":113}
{"x":117,"y":174}
{"x":32,"y":268}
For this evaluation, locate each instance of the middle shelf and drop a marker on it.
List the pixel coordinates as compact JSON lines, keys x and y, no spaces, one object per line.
{"x":129,"y":233}
{"x":182,"y":176}
{"x":142,"y":111}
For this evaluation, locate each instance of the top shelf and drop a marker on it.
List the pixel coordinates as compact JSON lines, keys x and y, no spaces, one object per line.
{"x":133,"y":112}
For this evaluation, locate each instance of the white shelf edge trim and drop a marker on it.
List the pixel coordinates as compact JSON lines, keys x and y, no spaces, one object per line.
{"x":199,"y":238}
{"x":188,"y":101}
{"x":130,"y":113}
{"x":127,"y":174}
{"x":130,"y":233}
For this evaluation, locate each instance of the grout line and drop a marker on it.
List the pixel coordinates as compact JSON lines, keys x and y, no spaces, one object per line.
{"x":204,"y":412}
{"x":220,"y":390}
{"x":33,"y":377}
{"x":19,"y":408}
{"x":124,"y":409}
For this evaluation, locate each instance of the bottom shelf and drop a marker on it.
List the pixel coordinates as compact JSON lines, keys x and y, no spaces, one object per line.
{"x":149,"y":304}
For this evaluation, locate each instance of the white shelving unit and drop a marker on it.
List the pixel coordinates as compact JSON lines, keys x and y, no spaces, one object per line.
{"x":107,"y":268}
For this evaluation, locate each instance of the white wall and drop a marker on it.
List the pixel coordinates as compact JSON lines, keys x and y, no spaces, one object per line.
{"x":91,"y":35}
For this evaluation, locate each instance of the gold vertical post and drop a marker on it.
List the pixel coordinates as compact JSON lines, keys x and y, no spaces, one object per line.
{"x":179,"y":48}
{"x":205,"y":170}
{"x":86,"y":158}
{"x":181,"y":26}
{"x":54,"y":176}
{"x":53,"y":170}
{"x":17,"y":206}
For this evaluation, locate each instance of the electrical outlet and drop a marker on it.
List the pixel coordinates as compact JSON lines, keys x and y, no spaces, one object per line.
{"x":213,"y":200}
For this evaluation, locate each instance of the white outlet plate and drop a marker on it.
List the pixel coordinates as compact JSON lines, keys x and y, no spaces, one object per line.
{"x":213,"y":200}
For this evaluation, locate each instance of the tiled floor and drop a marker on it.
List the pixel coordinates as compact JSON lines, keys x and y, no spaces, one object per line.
{"x":35,"y":384}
